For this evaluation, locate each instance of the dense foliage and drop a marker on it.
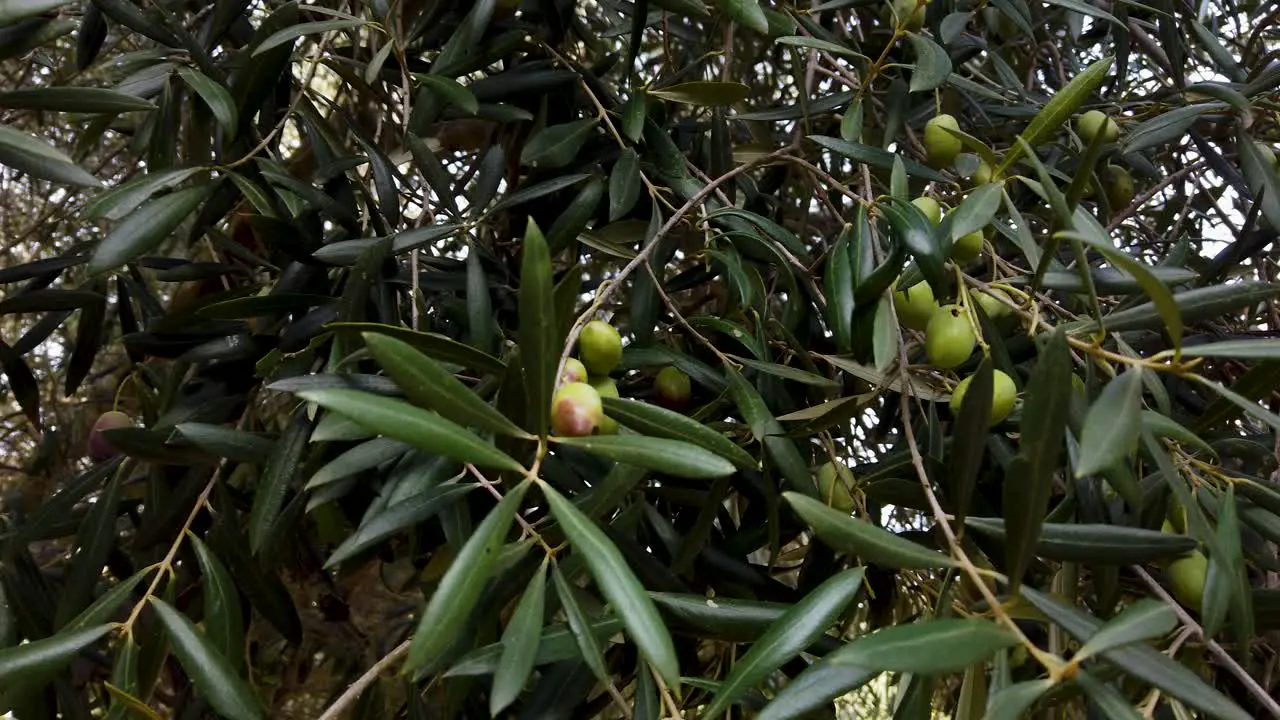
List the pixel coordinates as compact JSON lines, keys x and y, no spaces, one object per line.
{"x":948,"y":389}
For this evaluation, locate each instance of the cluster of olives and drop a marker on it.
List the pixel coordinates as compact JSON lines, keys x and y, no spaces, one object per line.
{"x":949,"y":339}
{"x":577,"y":408}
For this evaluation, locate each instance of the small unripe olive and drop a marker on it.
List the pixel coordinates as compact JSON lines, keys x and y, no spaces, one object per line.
{"x":1187,"y":576}
{"x":984,"y":174}
{"x":672,"y":387}
{"x":941,"y":146}
{"x":574,"y":371}
{"x":908,"y":14}
{"x":930,"y":207}
{"x":100,"y":448}
{"x":967,"y":248}
{"x":833,"y":486}
{"x":607,"y":388}
{"x":1119,"y":185}
{"x":1003,"y":395}
{"x":1090,"y":124}
{"x":600,"y":347}
{"x":992,"y":303}
{"x":948,"y":338}
{"x":576,"y":410}
{"x":914,"y":306}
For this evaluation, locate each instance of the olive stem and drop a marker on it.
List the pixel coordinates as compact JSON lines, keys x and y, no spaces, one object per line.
{"x":1215,"y":649}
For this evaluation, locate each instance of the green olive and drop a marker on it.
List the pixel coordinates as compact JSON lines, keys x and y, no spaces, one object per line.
{"x":908,"y":13}
{"x":984,"y":174}
{"x":967,"y":248}
{"x":930,"y":208}
{"x":1119,"y":186}
{"x":1003,"y":395}
{"x":672,"y":387}
{"x":574,"y":371}
{"x":600,"y":347}
{"x":948,"y":338}
{"x":1090,"y":124}
{"x":915,"y":306}
{"x":941,"y":146}
{"x":576,"y":410}
{"x":992,"y":302}
{"x":607,"y":388}
{"x":1187,"y":576}
{"x":833,"y":486}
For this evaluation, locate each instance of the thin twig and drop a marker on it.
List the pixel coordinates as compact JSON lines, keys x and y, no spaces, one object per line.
{"x":672,"y":707}
{"x":353,"y":692}
{"x":1215,"y":649}
{"x":606,"y":291}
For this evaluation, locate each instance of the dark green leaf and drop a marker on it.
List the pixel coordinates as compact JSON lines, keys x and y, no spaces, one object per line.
{"x":539,"y":336}
{"x":933,"y":65}
{"x":793,"y":632}
{"x":365,"y":456}
{"x":1144,"y":620}
{"x":1112,"y":426}
{"x":928,"y":647}
{"x":624,"y":184}
{"x":861,"y":538}
{"x":520,"y":642}
{"x":556,"y":145}
{"x":431,"y":386}
{"x":746,"y":13}
{"x":1096,"y":544}
{"x":1058,"y":109}
{"x":660,"y":422}
{"x":455,"y":597}
{"x":673,"y":457}
{"x":215,"y":96}
{"x":619,"y":586}
{"x":145,"y":228}
{"x":73,"y":99}
{"x":396,"y":518}
{"x":235,"y":445}
{"x":437,"y":346}
{"x":705,"y":92}
{"x":223,"y":623}
{"x":213,"y":675}
{"x":289,"y":34}
{"x":1044,"y":423}
{"x":39,"y":159}
{"x":34,"y":662}
{"x":278,"y":476}
{"x":580,"y":626}
{"x":422,"y":429}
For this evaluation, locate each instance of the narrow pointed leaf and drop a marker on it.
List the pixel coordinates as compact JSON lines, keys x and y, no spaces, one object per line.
{"x":223,"y":622}
{"x":455,"y":597}
{"x":1096,"y":543}
{"x":661,"y":422}
{"x":673,"y":457}
{"x":215,"y":678}
{"x":420,"y":428}
{"x":873,"y":544}
{"x":624,"y":184}
{"x":969,"y":438}
{"x":706,"y":93}
{"x":74,"y":99}
{"x":539,"y":339}
{"x":619,"y":586}
{"x":1144,"y":620}
{"x":1140,"y":661}
{"x":431,"y":386}
{"x":215,"y":96}
{"x":933,"y":65}
{"x":40,"y":159}
{"x":236,"y":445}
{"x":792,"y":633}
{"x":34,"y":662}
{"x":1112,"y":425}
{"x":398,"y":517}
{"x":278,"y":476}
{"x":557,"y":145}
{"x":1011,"y":703}
{"x":928,"y":647}
{"x":1044,"y":423}
{"x":580,"y":626}
{"x":520,"y":643}
{"x":1060,"y":107}
{"x":145,"y":228}
{"x":293,"y":32}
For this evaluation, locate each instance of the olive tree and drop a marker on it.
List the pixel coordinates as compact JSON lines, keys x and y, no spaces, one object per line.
{"x":652,"y":358}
